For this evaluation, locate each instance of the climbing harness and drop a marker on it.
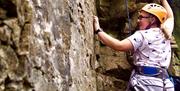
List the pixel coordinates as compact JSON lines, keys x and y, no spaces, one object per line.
{"x":153,"y":72}
{"x":161,"y":73}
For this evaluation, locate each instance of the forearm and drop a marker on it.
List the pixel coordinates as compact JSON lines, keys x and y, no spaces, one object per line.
{"x":123,"y":45}
{"x":115,"y":44}
{"x":168,"y":25}
{"x":168,"y":8}
{"x":108,"y":40}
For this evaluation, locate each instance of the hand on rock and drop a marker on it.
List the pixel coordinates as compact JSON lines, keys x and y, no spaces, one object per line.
{"x":96,"y":23}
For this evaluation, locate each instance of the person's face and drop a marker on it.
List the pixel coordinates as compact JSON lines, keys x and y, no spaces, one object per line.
{"x":143,"y":20}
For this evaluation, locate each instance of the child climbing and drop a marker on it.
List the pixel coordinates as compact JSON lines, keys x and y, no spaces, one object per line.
{"x":150,"y":45}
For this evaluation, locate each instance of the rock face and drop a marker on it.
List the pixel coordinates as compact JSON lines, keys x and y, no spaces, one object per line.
{"x":49,"y":45}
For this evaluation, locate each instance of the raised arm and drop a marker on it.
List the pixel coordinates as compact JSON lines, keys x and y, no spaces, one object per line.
{"x":168,"y":25}
{"x":168,"y":8}
{"x":115,"y":44}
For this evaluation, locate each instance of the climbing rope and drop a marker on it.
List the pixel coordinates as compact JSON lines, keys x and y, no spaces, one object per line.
{"x":129,"y":20}
{"x":129,"y":53}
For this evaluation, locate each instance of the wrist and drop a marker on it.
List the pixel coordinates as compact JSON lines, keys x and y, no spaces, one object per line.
{"x":98,"y":30}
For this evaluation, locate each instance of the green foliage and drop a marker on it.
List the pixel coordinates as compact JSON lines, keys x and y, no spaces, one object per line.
{"x":176,"y":31}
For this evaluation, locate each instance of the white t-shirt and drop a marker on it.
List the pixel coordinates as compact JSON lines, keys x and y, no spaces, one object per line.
{"x":151,"y":48}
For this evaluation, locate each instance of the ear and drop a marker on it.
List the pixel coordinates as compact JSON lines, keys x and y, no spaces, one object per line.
{"x":152,"y":20}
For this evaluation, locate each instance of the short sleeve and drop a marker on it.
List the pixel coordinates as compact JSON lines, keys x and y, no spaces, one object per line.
{"x":136,"y":40}
{"x":168,"y":27}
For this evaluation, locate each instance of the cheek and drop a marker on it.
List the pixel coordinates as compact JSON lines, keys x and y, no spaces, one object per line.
{"x":142,"y":25}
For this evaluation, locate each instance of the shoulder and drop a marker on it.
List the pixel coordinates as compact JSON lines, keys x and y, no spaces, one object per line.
{"x":136,"y":37}
{"x":150,"y":31}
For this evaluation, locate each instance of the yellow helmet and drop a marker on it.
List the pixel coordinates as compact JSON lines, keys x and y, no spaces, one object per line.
{"x":157,"y":10}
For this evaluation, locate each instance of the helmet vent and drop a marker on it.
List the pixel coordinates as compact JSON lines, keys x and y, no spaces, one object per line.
{"x":157,"y":10}
{"x":163,"y":18}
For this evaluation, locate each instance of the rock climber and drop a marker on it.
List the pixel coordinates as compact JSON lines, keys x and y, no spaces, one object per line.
{"x":150,"y":45}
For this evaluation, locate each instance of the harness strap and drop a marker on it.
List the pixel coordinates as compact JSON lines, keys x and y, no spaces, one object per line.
{"x":152,"y":71}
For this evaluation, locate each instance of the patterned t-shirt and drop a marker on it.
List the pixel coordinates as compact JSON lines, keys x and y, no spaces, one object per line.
{"x":151,"y":48}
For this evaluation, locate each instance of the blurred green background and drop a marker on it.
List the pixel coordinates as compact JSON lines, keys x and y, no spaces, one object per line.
{"x":176,"y":9}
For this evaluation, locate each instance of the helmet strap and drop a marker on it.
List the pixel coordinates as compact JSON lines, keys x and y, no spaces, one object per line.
{"x":151,"y":24}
